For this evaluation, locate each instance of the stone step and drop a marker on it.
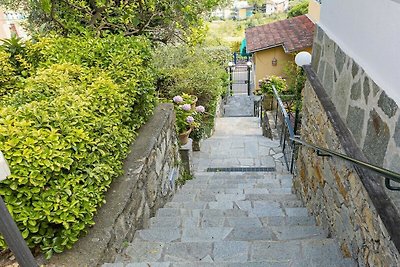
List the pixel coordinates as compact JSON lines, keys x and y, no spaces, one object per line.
{"x":243,"y":178}
{"x":242,"y":204}
{"x":284,"y":263}
{"x":307,"y":252}
{"x":242,"y":208}
{"x":229,"y":194}
{"x":229,"y":221}
{"x":212,"y":229}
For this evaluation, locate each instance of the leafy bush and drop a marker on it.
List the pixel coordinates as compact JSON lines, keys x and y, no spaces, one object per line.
{"x":66,"y":131}
{"x":267,"y":83}
{"x":195,"y":71}
{"x":16,"y":49}
{"x":7,"y":73}
{"x":127,"y":60}
{"x":298,"y":10}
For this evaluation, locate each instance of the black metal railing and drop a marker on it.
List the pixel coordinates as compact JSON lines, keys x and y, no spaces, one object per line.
{"x":290,"y":141}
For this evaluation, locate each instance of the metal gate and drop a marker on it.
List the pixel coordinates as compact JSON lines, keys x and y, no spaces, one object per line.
{"x":241,"y":78}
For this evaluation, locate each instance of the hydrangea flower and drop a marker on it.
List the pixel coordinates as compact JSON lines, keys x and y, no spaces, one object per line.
{"x":189,"y":119}
{"x":186,"y":107}
{"x":200,"y":109}
{"x":177,"y":99}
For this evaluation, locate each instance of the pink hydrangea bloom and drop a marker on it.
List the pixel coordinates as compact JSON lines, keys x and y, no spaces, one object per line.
{"x":189,"y":119}
{"x":177,"y":99}
{"x":200,"y":109}
{"x":186,"y":107}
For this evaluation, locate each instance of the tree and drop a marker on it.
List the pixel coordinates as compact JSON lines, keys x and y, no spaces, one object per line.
{"x":160,"y":20}
{"x":299,"y":9}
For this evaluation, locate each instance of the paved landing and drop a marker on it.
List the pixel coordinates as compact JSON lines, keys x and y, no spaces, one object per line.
{"x":240,"y":105}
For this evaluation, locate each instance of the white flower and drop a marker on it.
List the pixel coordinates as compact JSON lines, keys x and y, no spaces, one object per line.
{"x":186,"y":107}
{"x":200,"y":109}
{"x":177,"y":99}
{"x":189,"y":119}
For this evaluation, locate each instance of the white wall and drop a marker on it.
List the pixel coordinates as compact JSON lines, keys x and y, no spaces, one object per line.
{"x":369,"y":32}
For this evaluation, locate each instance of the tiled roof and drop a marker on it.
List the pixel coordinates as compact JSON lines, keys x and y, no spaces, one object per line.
{"x":293,"y":34}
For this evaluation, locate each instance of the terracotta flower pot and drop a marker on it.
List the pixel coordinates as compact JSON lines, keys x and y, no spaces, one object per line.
{"x":184,"y":137}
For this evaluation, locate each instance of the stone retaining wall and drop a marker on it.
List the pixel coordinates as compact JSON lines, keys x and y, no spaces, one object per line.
{"x":350,"y":205}
{"x":372,"y":117}
{"x":147,"y":184}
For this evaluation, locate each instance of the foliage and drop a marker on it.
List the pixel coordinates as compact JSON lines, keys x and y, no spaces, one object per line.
{"x":235,"y":46}
{"x":185,"y":176}
{"x":228,"y":31}
{"x":291,"y":72}
{"x":16,"y":49}
{"x":187,"y":115}
{"x":267,"y":83}
{"x":7,"y":73}
{"x":160,"y":20}
{"x":298,"y":10}
{"x":67,"y":129}
{"x":127,"y":60}
{"x":194,"y":71}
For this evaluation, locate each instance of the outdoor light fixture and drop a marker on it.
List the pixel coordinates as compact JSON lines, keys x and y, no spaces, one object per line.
{"x":249,"y":64}
{"x":230,"y":64}
{"x":302,"y":58}
{"x":274,"y":61}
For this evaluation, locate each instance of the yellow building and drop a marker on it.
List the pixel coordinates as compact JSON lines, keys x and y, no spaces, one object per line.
{"x":314,"y":10}
{"x":274,"y":45}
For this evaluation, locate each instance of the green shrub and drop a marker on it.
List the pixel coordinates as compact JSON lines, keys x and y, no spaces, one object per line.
{"x":64,"y":144}
{"x":7,"y":73}
{"x":127,"y":60}
{"x":67,"y":130}
{"x":267,"y":83}
{"x":298,"y":10}
{"x":196,"y":71}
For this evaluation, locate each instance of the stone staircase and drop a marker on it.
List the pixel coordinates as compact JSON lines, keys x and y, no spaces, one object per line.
{"x":227,"y":218}
{"x":233,"y":219}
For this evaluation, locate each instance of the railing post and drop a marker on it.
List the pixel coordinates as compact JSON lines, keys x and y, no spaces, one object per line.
{"x":249,"y":64}
{"x":14,"y":239}
{"x":230,"y":66}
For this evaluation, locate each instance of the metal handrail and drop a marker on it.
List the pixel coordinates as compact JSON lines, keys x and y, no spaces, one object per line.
{"x":385,"y":172}
{"x":388,"y":174}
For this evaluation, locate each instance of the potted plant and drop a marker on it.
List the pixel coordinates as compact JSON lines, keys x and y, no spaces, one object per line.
{"x":187,"y":116}
{"x":266,"y":89}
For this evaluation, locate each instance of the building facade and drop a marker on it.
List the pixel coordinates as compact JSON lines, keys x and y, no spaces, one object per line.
{"x":11,"y":24}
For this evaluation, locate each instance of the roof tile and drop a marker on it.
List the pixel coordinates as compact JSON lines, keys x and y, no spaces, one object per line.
{"x":293,"y":34}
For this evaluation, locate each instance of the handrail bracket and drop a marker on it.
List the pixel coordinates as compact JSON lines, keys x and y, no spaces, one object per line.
{"x":389,"y":186}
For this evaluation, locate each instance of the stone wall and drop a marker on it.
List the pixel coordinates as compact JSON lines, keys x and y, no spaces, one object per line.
{"x":349,"y":205}
{"x":372,"y":117}
{"x":147,"y":184}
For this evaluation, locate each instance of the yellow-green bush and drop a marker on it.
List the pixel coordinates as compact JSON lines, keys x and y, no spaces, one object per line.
{"x":7,"y":73}
{"x":66,"y":131}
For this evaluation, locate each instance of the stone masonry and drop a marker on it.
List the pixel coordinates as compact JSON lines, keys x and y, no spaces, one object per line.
{"x":372,"y":117}
{"x":334,"y":193}
{"x":146,"y":185}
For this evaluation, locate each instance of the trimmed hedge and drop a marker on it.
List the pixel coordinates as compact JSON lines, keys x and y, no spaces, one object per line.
{"x":67,"y":130}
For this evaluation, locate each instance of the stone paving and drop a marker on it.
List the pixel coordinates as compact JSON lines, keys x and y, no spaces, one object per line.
{"x":231,"y":219}
{"x":239,"y":105}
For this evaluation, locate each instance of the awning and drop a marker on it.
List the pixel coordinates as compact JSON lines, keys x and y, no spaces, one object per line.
{"x":243,"y":51}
